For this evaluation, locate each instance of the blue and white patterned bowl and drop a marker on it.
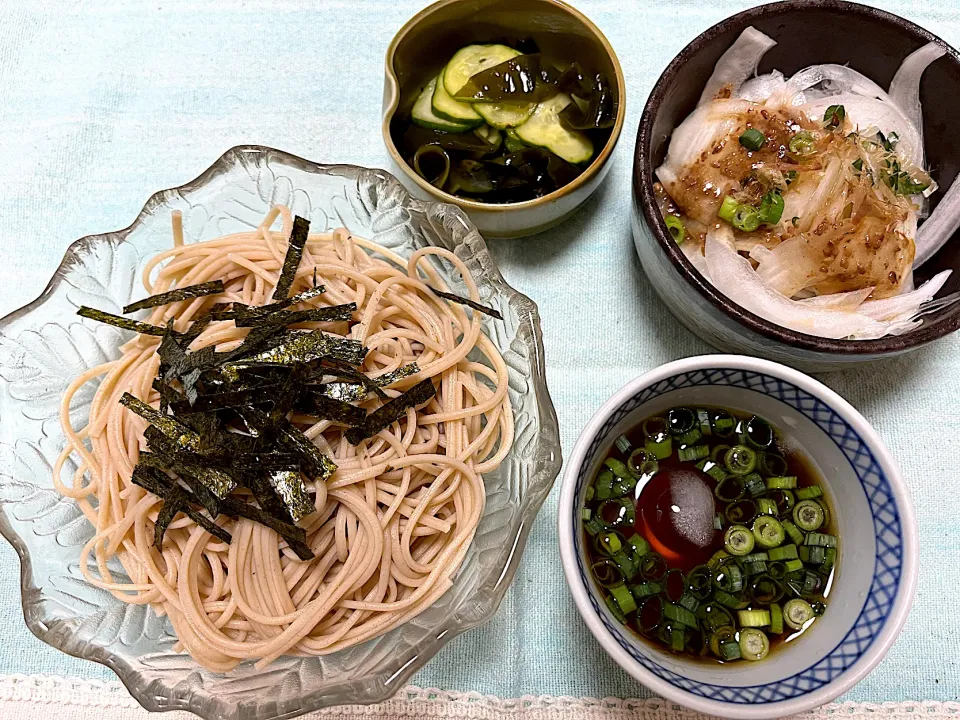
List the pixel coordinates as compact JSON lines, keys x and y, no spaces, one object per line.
{"x":876,"y":572}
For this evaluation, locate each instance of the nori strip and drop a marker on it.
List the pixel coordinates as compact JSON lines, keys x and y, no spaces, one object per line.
{"x":295,"y":536}
{"x":182,"y":436}
{"x":391,"y":377}
{"x":314,"y":463}
{"x":298,"y":240}
{"x":122,"y":322}
{"x":172,"y":504}
{"x":468,"y":302}
{"x":288,"y":484}
{"x":318,"y":405}
{"x":196,"y":327}
{"x":266,"y":497}
{"x":348,"y":373}
{"x":342,"y":391}
{"x":242,"y":397}
{"x":191,"y":467}
{"x":392,"y":411}
{"x":289,"y":317}
{"x":154,"y":481}
{"x":214,"y":287}
{"x":305,"y":347}
{"x":240,"y":310}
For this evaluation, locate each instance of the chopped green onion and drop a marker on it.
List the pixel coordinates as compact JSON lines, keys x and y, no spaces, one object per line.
{"x":689,"y":601}
{"x":793,"y":565}
{"x":724,"y":424}
{"x":585,"y":514}
{"x":746,"y":218}
{"x":690,"y":438}
{"x":793,"y":531}
{"x":700,"y":582}
{"x":834,"y":116}
{"x":640,"y":545}
{"x":753,"y":139}
{"x":645,"y":590}
{"x":740,"y":460}
{"x":690,"y":454}
{"x":729,"y":578}
{"x":588,"y":495}
{"x":676,"y":228}
{"x":730,"y":489}
{"x":727,"y":209}
{"x":758,"y":433}
{"x":753,"y":618}
{"x":703,"y":419}
{"x":650,"y":615}
{"x":619,"y":469}
{"x":766,"y":506}
{"x":606,"y":573}
{"x":790,"y":176}
{"x":830,"y":559}
{"x":738,"y":540}
{"x":608,"y":543}
{"x":765,"y":589}
{"x":617,"y":513}
{"x":642,"y":463}
{"x":652,"y":566}
{"x":593,"y":526}
{"x":776,"y":619}
{"x":770,"y":463}
{"x":718,"y":520}
{"x":809,"y":493}
{"x":715,"y":616}
{"x":679,"y":614}
{"x":623,"y":598}
{"x":678,"y":638}
{"x":754,"y":568}
{"x":797,"y":613}
{"x":715,"y":471}
{"x":812,"y":584}
{"x":813,"y":554}
{"x":681,"y":420}
{"x":604,"y":485}
{"x":768,"y":531}
{"x":623,"y":444}
{"x":615,"y":610}
{"x":808,"y":515}
{"x":754,"y":644}
{"x":717,"y":559}
{"x":771,"y":208}
{"x":784,"y":552}
{"x":741,"y":512}
{"x":734,"y":602}
{"x":626,"y":564}
{"x":782,"y":482}
{"x":718,"y":453}
{"x":803,"y":143}
{"x":777,"y":570}
{"x":661,"y":448}
{"x":754,"y":484}
{"x":730,"y":650}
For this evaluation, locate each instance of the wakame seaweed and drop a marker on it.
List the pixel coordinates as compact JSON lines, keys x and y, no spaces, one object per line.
{"x":123,"y":323}
{"x":214,"y":287}
{"x":479,"y":307}
{"x":391,"y":411}
{"x":517,"y":80}
{"x":295,"y":246}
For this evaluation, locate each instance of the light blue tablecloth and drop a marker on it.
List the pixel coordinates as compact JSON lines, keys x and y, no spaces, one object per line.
{"x":101,"y":103}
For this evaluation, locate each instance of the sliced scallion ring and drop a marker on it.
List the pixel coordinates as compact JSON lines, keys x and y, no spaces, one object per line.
{"x":808,"y":515}
{"x":738,"y":540}
{"x":740,"y":460}
{"x":797,"y":613}
{"x":754,"y":644}
{"x":768,"y":531}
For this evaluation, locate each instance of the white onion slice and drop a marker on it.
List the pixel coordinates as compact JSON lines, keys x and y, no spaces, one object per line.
{"x":834,"y":80}
{"x":762,"y":87}
{"x":738,"y":63}
{"x":695,"y":255}
{"x":840,"y":301}
{"x":905,"y":86}
{"x":904,"y":307}
{"x":733,"y":275}
{"x":940,"y":226}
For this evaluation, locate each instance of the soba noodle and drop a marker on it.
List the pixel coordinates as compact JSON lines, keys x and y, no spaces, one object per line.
{"x":391,"y":526}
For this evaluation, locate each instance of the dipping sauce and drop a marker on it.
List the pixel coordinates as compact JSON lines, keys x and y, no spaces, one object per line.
{"x":707,"y":534}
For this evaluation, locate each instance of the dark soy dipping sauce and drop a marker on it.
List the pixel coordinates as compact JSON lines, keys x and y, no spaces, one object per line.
{"x":675,"y":513}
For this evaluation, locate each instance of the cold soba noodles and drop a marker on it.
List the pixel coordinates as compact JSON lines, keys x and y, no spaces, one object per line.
{"x":289,"y":456}
{"x":707,"y":534}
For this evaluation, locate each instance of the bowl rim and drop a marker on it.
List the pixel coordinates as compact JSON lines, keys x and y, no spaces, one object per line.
{"x":900,"y":492}
{"x":546,"y":467}
{"x":645,"y":198}
{"x":392,"y":91}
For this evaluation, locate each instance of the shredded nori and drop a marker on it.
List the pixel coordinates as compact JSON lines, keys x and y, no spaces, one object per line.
{"x":390,"y":378}
{"x":342,"y":391}
{"x":486,"y":310}
{"x":298,"y":240}
{"x":182,"y":436}
{"x":384,"y":416}
{"x":214,"y":287}
{"x":290,"y":317}
{"x":318,"y":405}
{"x":305,"y":347}
{"x":296,"y":537}
{"x":288,"y":484}
{"x":123,"y":323}
{"x":239,"y":310}
{"x":176,"y":500}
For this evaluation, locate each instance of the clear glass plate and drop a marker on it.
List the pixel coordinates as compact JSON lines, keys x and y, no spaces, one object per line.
{"x":44,"y":346}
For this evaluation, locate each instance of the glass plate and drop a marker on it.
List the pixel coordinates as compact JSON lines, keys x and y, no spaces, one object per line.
{"x":44,"y":346}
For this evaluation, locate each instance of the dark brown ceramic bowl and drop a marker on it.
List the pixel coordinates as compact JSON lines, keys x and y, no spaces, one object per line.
{"x":871,"y":41}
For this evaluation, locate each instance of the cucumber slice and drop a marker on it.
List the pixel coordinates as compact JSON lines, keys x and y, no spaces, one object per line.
{"x":472,"y":59}
{"x":513,"y":143}
{"x":505,"y":115}
{"x":453,"y":110}
{"x":543,"y":129}
{"x":424,"y":115}
{"x":490,"y":134}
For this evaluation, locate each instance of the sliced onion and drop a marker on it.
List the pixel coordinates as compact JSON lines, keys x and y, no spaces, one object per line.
{"x":762,"y":87}
{"x":905,"y":87}
{"x":694,"y":254}
{"x":738,"y":63}
{"x":904,"y":307}
{"x":840,"y":301}
{"x":940,"y":226}
{"x":733,"y":275}
{"x":833,"y":80}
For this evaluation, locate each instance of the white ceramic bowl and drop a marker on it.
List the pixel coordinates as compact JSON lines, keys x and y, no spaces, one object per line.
{"x":876,"y":572}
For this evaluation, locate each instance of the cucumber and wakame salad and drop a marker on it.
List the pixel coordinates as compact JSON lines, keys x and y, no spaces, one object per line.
{"x":499,"y":125}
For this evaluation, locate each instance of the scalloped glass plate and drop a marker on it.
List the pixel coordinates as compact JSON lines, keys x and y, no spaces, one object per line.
{"x":44,"y":345}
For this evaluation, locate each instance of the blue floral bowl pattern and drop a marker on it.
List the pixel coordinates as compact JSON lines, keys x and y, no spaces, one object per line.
{"x":873,"y":589}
